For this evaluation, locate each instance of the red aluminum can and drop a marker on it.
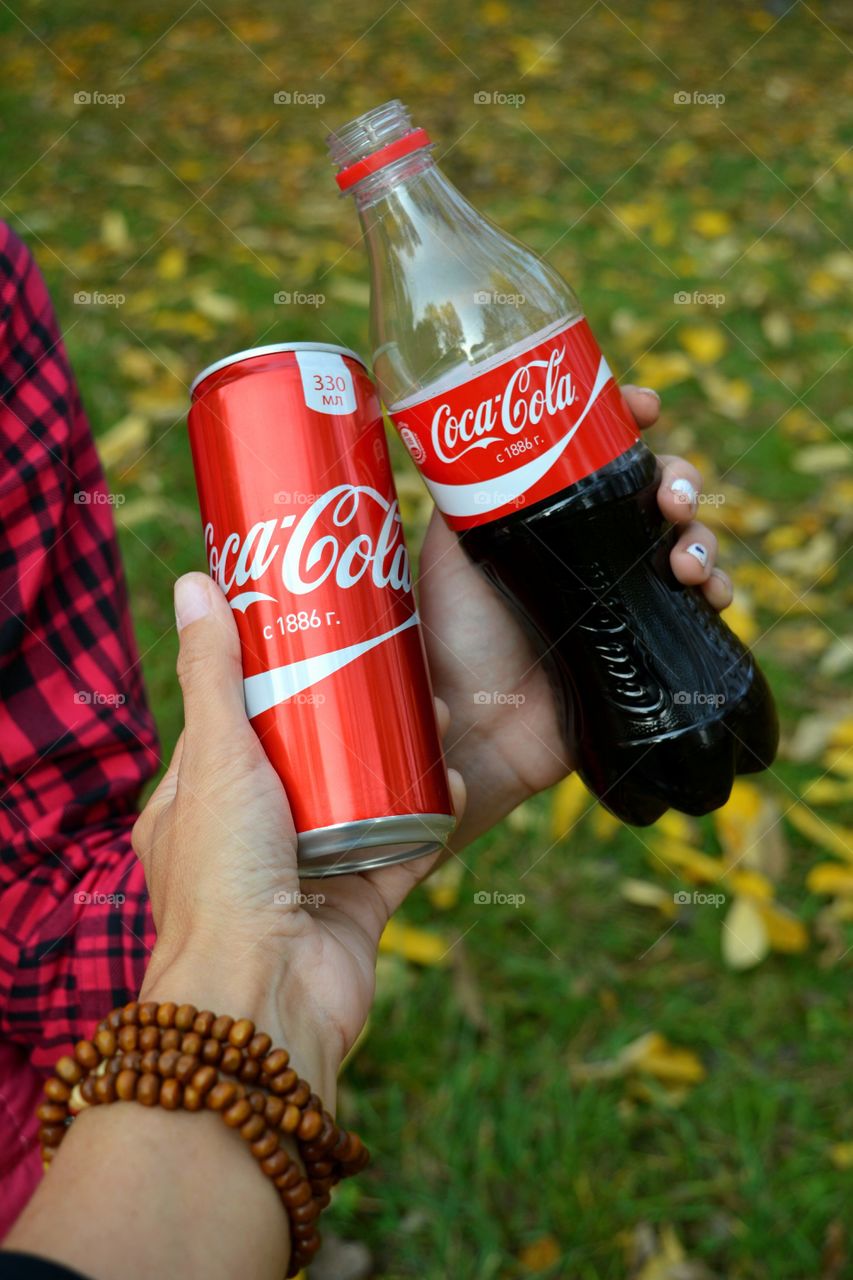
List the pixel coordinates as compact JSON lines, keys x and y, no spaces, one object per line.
{"x":302,"y":533}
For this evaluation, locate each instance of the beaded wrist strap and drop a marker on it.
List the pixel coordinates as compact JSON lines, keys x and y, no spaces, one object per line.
{"x":177,"y":1057}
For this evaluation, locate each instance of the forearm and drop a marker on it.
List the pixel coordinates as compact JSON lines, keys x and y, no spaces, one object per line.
{"x":136,"y":1192}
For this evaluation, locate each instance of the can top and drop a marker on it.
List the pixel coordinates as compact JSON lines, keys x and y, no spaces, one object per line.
{"x":271,"y":350}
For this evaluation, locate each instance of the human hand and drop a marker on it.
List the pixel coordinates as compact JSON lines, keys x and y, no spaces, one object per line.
{"x":508,"y":750}
{"x":237,"y":931}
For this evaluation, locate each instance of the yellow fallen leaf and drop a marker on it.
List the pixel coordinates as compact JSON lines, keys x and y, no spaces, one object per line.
{"x":830,"y":878}
{"x":642,"y":893}
{"x":777,"y":328}
{"x":784,"y":931}
{"x":418,"y":945}
{"x":749,"y":882}
{"x":823,"y":285}
{"x":828,"y":835}
{"x":443,"y":885}
{"x":676,"y":826}
{"x":738,"y":817}
{"x":818,"y":459}
{"x":650,"y":1054}
{"x":704,"y":342}
{"x":741,"y":619}
{"x":841,"y":1155}
{"x":751,"y":834}
{"x":839,"y":760}
{"x":841,"y":734}
{"x":828,"y":791}
{"x":124,"y":442}
{"x":662,"y":370}
{"x":540,"y":1255}
{"x":603,"y":824}
{"x":172,"y":264}
{"x":744,"y":940}
{"x":570,"y":801}
{"x":697,"y":865}
{"x":801,"y":424}
{"x":114,"y":232}
{"x":215,"y":306}
{"x":731,"y":397}
{"x":711,"y":223}
{"x":672,"y":1065}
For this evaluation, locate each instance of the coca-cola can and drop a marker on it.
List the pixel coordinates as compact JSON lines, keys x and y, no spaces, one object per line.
{"x":303,"y":534}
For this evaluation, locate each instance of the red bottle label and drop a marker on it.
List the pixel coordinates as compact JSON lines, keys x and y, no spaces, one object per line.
{"x":522,"y":430}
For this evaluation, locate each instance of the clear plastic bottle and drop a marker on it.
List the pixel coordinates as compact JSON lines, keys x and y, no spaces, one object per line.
{"x":498,"y":388}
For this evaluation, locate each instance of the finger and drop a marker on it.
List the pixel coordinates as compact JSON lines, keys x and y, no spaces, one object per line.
{"x":680,"y":486}
{"x":442,"y":715}
{"x":458,"y":794}
{"x":643,"y":403}
{"x":209,"y":668}
{"x":693,"y":556}
{"x":718,"y":590}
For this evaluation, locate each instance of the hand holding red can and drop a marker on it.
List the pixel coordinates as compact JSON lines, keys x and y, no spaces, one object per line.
{"x":303,"y":534}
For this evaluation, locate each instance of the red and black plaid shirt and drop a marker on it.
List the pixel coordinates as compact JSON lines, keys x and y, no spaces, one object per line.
{"x":77,"y":741}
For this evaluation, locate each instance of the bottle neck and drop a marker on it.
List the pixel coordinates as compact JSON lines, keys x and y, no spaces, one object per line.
{"x":409,"y":201}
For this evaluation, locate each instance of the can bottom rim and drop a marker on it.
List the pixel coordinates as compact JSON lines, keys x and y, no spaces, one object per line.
{"x":371,"y":842}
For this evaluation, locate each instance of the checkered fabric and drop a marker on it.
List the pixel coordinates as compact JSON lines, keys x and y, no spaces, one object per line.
{"x":77,"y":741}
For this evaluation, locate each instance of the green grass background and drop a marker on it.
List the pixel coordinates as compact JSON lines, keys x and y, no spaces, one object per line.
{"x":198,"y":199}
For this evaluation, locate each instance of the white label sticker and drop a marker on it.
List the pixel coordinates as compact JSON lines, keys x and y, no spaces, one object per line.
{"x":326,"y":381}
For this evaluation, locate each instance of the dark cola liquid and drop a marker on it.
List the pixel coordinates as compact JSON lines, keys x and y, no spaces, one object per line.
{"x":660,"y":701}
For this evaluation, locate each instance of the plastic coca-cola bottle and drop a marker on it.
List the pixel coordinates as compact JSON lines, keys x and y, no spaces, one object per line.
{"x":503,"y":399}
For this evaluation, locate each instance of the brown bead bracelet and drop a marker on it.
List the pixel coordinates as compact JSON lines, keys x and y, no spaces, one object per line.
{"x":177,"y":1057}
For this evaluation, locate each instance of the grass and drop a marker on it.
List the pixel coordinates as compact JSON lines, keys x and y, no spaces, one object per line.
{"x":483,"y":1144}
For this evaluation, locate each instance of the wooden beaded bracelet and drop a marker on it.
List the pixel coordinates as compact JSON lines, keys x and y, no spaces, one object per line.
{"x":177,"y":1057}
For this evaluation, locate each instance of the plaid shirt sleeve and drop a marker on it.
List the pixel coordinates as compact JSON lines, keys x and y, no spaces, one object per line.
{"x":77,"y":741}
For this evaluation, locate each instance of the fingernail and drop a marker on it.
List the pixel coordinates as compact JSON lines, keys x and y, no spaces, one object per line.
{"x":192,"y":600}
{"x":724,"y":577}
{"x":684,"y":492}
{"x":649,"y":391}
{"x":698,"y":552}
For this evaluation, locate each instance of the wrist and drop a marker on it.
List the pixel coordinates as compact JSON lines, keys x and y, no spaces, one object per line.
{"x":246,"y":992}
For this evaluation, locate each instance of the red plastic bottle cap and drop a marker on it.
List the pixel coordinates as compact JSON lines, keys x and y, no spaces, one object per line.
{"x":379,"y":159}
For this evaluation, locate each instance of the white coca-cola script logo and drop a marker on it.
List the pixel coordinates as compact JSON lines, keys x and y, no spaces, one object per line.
{"x":525,"y":400}
{"x":309,"y":557}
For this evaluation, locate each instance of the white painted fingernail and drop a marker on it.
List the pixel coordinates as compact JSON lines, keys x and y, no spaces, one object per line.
{"x":698,"y":552}
{"x":684,"y":492}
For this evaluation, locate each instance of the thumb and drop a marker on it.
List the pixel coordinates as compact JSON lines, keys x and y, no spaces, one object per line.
{"x":209,"y":666}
